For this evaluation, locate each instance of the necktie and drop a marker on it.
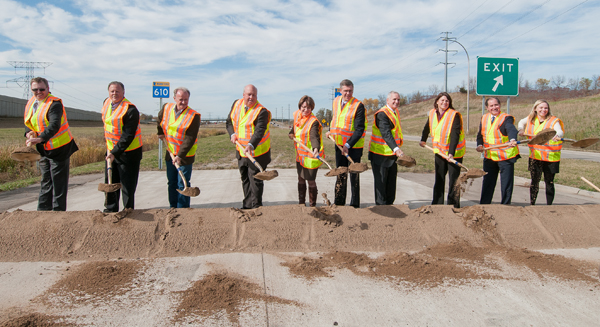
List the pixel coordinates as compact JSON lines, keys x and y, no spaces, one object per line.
{"x":35,"y":106}
{"x":493,"y":117}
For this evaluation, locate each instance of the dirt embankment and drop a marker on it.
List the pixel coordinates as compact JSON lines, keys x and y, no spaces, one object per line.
{"x":92,"y":235}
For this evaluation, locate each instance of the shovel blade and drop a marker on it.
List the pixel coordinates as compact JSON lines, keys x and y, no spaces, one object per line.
{"x":336,"y":171}
{"x":190,"y":191}
{"x":266,"y":175}
{"x":109,"y":188}
{"x":358,"y":167}
{"x":585,"y":142}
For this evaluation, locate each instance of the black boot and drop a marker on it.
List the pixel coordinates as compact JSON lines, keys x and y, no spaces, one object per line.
{"x":302,"y":193}
{"x":312,"y":196}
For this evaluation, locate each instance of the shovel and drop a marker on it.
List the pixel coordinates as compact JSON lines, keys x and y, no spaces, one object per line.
{"x":332,"y":172}
{"x":25,"y":153}
{"x":590,"y":183}
{"x":110,"y":187}
{"x":579,"y":143}
{"x":471,"y":173}
{"x":263,"y":175}
{"x":540,"y":138}
{"x":354,"y":167}
{"x":187,"y":191}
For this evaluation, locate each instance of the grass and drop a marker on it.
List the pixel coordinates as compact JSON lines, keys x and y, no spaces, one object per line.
{"x":215,"y":151}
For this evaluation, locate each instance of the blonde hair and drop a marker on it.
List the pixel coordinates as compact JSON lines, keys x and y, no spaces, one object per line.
{"x":533,"y":114}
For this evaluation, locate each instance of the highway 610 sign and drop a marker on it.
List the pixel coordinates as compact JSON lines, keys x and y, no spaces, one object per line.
{"x":497,"y":76}
{"x":160,"y":89}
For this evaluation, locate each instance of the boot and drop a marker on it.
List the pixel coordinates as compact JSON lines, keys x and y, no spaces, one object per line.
{"x":312,"y":196}
{"x":301,"y":193}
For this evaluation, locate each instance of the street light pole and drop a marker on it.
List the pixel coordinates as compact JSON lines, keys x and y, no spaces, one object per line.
{"x":468,"y":80}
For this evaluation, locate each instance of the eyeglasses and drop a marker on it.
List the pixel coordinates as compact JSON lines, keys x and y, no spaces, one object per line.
{"x":35,"y":90}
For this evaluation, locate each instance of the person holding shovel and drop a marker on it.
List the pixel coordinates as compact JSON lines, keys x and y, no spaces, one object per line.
{"x":124,"y":144}
{"x":308,"y":130}
{"x":348,"y":131}
{"x":543,"y":158}
{"x":178,"y":126}
{"x":496,"y":128}
{"x":384,"y":148}
{"x":448,"y":137}
{"x":248,"y":125}
{"x":47,"y":127}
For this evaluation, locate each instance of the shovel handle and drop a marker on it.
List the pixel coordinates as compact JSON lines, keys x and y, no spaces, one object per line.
{"x":185,"y":184}
{"x":445,"y":156}
{"x":590,"y":183}
{"x":302,"y":145}
{"x":504,"y":145}
{"x":251,"y":158}
{"x":339,"y":147}
{"x":108,"y":169}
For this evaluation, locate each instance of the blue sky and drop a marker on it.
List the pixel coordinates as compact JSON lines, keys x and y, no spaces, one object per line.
{"x":286,"y":48}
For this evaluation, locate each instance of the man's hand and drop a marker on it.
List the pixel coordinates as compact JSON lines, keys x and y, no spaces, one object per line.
{"x":521,"y":133}
{"x":345,"y":150}
{"x":110,"y":157}
{"x":315,"y":152}
{"x":34,"y":140}
{"x":234,"y":138}
{"x":556,"y":138}
{"x":161,"y":137}
{"x":479,"y":148}
{"x":450,"y":158}
{"x":399,"y":153}
{"x":513,"y":143}
{"x":177,"y":160}
{"x":327,"y":134}
{"x":422,"y":144}
{"x":248,"y":151}
{"x":31,"y":134}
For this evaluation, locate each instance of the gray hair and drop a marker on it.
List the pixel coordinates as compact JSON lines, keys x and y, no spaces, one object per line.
{"x":391,"y":93}
{"x":116,"y":83}
{"x":181,"y":88}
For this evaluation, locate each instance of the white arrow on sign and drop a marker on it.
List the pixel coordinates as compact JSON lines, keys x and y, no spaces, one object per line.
{"x":499,"y":80}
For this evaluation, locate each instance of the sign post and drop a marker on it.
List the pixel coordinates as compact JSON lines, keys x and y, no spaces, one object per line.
{"x":498,"y":77}
{"x":160,"y":90}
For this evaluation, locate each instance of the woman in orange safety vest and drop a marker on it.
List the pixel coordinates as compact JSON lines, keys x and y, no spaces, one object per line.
{"x":308,"y":130}
{"x":543,"y":158}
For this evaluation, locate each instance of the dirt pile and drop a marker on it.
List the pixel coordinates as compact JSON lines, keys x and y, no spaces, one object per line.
{"x":37,"y":320}
{"x":219,"y":292}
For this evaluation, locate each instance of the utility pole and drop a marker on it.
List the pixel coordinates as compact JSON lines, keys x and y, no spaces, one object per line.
{"x":24,"y":81}
{"x":446,"y":63}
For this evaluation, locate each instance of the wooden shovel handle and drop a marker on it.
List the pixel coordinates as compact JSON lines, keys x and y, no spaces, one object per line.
{"x":310,"y":151}
{"x":185,"y":184}
{"x":339,"y":147}
{"x":109,"y":168}
{"x":590,"y":183}
{"x":251,"y":158}
{"x":445,"y":156}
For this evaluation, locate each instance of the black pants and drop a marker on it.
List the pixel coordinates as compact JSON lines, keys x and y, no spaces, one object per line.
{"x":507,"y":174}
{"x":54,"y":186}
{"x":342,"y":179}
{"x":125,"y":170}
{"x":442,"y":166}
{"x":385,"y":172}
{"x":252,"y":187}
{"x":536,"y":168}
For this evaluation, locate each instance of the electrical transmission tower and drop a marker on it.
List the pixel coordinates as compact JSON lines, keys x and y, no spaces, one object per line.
{"x":446,"y":63}
{"x":29,"y":66}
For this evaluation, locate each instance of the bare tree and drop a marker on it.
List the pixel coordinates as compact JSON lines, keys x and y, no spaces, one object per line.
{"x":557,"y":81}
{"x":382,"y":99}
{"x":434,"y":89}
{"x":596,"y":82}
{"x":573,"y":84}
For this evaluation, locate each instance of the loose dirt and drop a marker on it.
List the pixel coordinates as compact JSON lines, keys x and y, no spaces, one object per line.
{"x":37,"y":320}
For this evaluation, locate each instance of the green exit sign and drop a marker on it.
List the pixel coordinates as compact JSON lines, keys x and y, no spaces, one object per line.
{"x":497,"y":76}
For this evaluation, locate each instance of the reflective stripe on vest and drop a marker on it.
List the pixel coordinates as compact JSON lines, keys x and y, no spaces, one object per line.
{"x":38,"y":122}
{"x":377,"y":144}
{"x":175,"y":128}
{"x":243,"y":126}
{"x":492,"y":136}
{"x":303,"y":134}
{"x":113,"y":125}
{"x":342,"y":124}
{"x":440,"y":132}
{"x":549,"y":151}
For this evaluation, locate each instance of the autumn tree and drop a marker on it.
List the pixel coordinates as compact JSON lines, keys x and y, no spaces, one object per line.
{"x":542,"y":84}
{"x":371,"y":105}
{"x":325,"y":114}
{"x":585,"y":83}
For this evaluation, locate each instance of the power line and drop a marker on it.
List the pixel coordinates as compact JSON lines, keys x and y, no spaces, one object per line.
{"x":30,"y":66}
{"x":483,"y":21}
{"x":469,"y":15}
{"x":544,"y":23}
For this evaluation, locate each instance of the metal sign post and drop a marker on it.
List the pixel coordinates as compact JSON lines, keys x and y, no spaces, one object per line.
{"x":160,"y":90}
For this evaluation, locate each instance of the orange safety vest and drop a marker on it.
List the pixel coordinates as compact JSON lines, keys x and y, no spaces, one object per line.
{"x":243,"y":127}
{"x":440,"y":132}
{"x":377,"y":144}
{"x":549,"y":151}
{"x":303,"y":134}
{"x":113,"y":125}
{"x":342,"y":124}
{"x":492,"y":136}
{"x":38,"y":122}
{"x":175,"y":128}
